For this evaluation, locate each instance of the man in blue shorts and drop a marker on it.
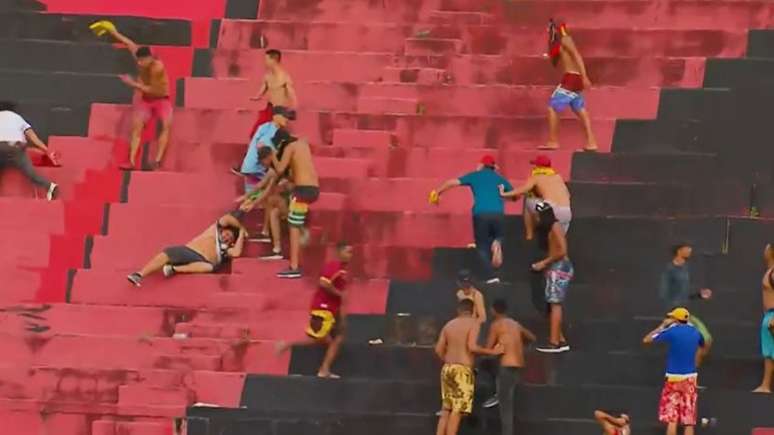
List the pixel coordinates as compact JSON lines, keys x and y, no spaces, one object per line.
{"x":558,"y":272}
{"x":767,"y":325}
{"x":488,"y":212}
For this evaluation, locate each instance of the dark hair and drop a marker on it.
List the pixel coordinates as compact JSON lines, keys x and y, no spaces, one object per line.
{"x":464,"y":277}
{"x":342,"y":245}
{"x":500,"y":306}
{"x":465,"y":306}
{"x":264,"y":152}
{"x":274,"y":54}
{"x":8,"y":105}
{"x":678,"y":246}
{"x":142,"y":52}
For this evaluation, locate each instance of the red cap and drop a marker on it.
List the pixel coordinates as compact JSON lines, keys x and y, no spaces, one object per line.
{"x":542,"y":160}
{"x":488,"y":160}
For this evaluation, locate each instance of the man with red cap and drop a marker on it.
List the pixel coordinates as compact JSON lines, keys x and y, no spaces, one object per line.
{"x":488,"y":211}
{"x":544,"y":184}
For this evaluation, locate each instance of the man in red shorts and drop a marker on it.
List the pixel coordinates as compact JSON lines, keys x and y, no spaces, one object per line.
{"x":153,"y":86}
{"x":327,"y":318}
{"x":679,"y":395}
{"x":277,"y":87}
{"x":562,"y":51}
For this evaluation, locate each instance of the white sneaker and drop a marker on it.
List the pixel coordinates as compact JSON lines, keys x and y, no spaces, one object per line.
{"x":52,"y":191}
{"x":275,"y":255}
{"x":168,"y":270}
{"x":493,"y":281}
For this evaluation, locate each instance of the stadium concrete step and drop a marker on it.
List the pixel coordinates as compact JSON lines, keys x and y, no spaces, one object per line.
{"x":48,"y":119}
{"x":62,"y":87}
{"x":491,"y":40}
{"x":574,"y":368}
{"x":109,"y":121}
{"x":71,"y":27}
{"x":633,"y":167}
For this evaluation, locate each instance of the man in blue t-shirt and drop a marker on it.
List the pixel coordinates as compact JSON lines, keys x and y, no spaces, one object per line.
{"x":251,"y":168}
{"x":488,"y":211}
{"x":679,"y":395}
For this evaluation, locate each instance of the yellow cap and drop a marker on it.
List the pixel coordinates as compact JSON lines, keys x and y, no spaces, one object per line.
{"x":679,"y":314}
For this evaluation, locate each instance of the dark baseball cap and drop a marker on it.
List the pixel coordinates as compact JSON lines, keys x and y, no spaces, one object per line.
{"x":464,"y":277}
{"x":284,"y":111}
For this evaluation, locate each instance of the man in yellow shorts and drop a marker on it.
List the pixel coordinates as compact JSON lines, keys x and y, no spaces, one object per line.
{"x":456,"y":346}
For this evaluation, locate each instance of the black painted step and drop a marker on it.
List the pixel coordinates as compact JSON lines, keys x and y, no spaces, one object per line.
{"x":756,"y":73}
{"x":56,"y":120}
{"x":72,"y":27}
{"x":22,"y":5}
{"x":312,"y":395}
{"x":642,"y":167}
{"x":760,"y":43}
{"x":63,"y":87}
{"x":65,"y":56}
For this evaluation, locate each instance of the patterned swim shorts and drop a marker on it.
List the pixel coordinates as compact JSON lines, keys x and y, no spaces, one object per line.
{"x":457,"y":386}
{"x":558,"y":277}
{"x":678,"y":402}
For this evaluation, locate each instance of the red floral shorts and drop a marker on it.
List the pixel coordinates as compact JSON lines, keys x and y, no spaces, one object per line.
{"x":678,"y":402}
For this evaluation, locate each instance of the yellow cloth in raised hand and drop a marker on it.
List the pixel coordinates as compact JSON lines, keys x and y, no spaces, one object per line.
{"x":433,"y":198}
{"x":101,"y":27}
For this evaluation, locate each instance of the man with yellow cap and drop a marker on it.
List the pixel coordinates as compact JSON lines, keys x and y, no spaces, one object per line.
{"x":679,"y":395}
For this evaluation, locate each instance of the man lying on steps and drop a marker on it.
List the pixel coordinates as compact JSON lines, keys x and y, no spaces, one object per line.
{"x":220,"y":241}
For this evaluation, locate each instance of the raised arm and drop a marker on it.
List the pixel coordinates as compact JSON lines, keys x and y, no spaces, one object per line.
{"x":228,"y":220}
{"x":239,"y":245}
{"x":653,"y":335}
{"x":448,"y":184}
{"x":120,"y":37}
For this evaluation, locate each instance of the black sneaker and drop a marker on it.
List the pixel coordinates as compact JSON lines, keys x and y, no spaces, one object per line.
{"x":491,"y":402}
{"x":552,"y":348}
{"x":135,"y":279}
{"x":289,"y":274}
{"x":564,"y":346}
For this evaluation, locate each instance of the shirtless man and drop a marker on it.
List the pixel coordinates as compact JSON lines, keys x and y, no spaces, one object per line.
{"x":563,"y":52}
{"x":295,"y":156}
{"x":557,"y":270}
{"x":767,"y":325}
{"x":153,"y":85}
{"x":205,"y":253}
{"x":456,"y":346}
{"x":544,"y":184}
{"x":277,"y":87}
{"x":509,"y":334}
{"x":467,"y":290}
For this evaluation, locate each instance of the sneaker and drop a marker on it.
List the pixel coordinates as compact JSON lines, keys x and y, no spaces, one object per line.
{"x":491,"y":402}
{"x":275,"y":255}
{"x":494,"y":280}
{"x":564,"y":346}
{"x":289,"y":274}
{"x":53,"y":189}
{"x":552,"y":348}
{"x":126,"y":166}
{"x":261,"y":238}
{"x":135,"y":279}
{"x":168,"y":270}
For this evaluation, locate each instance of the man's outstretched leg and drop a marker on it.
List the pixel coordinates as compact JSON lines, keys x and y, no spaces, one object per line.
{"x":138,"y":123}
{"x":166,"y":126}
{"x":153,"y":266}
{"x":330,"y":357}
{"x":197,"y":267}
{"x":591,"y":141}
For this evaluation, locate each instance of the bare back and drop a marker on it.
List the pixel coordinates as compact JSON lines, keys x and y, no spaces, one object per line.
{"x":508,"y":333}
{"x":456,"y":333}
{"x":155,"y":76}
{"x":566,"y":61}
{"x":553,"y":189}
{"x":768,"y":290}
{"x":277,"y":87}
{"x":301,"y":164}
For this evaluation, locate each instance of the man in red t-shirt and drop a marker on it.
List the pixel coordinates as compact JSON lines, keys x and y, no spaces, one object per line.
{"x":327,"y":318}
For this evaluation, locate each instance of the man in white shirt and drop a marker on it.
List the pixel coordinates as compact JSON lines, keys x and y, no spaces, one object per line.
{"x":15,"y":135}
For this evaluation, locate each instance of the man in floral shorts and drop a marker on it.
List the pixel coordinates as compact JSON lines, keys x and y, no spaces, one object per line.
{"x":679,"y":395}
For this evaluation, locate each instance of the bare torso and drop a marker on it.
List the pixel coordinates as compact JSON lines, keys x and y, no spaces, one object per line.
{"x":155,"y":76}
{"x":457,"y":332}
{"x":553,"y":189}
{"x":508,"y":334}
{"x":204,"y":244}
{"x":478,"y":301}
{"x":301,"y":164}
{"x":277,"y":87}
{"x":567,"y":63}
{"x":768,"y":290}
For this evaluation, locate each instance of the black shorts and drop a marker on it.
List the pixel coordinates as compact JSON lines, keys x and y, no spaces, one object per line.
{"x":182,"y":255}
{"x":306,"y":194}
